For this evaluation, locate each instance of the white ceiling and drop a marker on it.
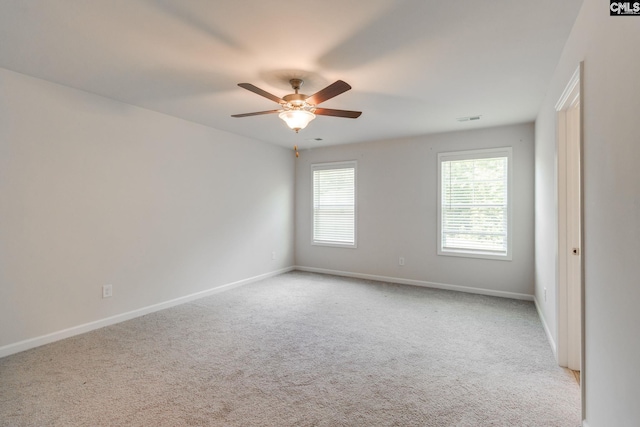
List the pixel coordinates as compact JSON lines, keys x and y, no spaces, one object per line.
{"x":415,"y":65}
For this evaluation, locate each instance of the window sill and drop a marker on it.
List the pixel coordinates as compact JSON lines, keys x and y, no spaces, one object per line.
{"x":335,"y":245}
{"x":471,"y":254}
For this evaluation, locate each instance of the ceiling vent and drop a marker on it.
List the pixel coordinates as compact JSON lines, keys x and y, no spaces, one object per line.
{"x":468,"y":119}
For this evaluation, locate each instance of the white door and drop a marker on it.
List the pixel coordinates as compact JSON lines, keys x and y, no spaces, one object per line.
{"x":574,"y":259}
{"x":570,"y":227}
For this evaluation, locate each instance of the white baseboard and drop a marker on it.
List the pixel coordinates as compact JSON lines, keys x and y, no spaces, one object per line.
{"x":547,"y":331}
{"x":481,"y":291}
{"x":81,"y":329}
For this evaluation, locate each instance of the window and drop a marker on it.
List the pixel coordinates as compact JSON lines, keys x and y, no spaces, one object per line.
{"x":474,"y":214}
{"x":334,"y":204}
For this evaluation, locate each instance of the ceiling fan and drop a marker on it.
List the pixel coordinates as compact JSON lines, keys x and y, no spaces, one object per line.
{"x":297,"y":109}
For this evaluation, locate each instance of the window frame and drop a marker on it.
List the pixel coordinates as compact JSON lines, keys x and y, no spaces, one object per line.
{"x":329,"y":166}
{"x":484,"y":153}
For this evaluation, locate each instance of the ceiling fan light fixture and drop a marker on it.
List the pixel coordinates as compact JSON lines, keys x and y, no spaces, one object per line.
{"x":297,"y":119}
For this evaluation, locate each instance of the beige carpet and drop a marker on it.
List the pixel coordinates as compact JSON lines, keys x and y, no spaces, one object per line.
{"x":301,"y":349}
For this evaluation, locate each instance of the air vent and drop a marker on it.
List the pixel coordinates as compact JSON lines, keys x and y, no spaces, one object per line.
{"x":467,"y":119}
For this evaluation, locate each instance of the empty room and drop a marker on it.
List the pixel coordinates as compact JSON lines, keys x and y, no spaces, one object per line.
{"x":362,"y":213}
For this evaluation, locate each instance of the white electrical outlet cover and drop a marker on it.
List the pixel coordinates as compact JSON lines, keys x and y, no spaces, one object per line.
{"x":107,"y":291}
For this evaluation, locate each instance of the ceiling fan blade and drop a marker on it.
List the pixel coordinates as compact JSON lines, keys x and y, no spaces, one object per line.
{"x":257,"y":113}
{"x":338,"y":113}
{"x":328,"y":92}
{"x":255,"y":89}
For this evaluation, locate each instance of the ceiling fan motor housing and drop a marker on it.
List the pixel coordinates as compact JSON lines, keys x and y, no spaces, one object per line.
{"x":297,"y":102}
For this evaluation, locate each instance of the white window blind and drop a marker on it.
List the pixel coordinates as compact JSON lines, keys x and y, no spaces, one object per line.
{"x":474,"y":203}
{"x":334,"y":207}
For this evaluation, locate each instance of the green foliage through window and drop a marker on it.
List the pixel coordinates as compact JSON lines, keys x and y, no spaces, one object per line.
{"x":474,"y":205}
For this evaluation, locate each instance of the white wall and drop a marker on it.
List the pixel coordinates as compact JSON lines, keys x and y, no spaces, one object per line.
{"x":546,"y":214}
{"x":397,"y":185}
{"x":611,"y":97}
{"x":93,"y":191}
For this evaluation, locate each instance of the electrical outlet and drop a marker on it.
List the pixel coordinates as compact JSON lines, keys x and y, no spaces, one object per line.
{"x":273,"y":255}
{"x":545,"y":294}
{"x":107,"y":291}
{"x":401,"y":261}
